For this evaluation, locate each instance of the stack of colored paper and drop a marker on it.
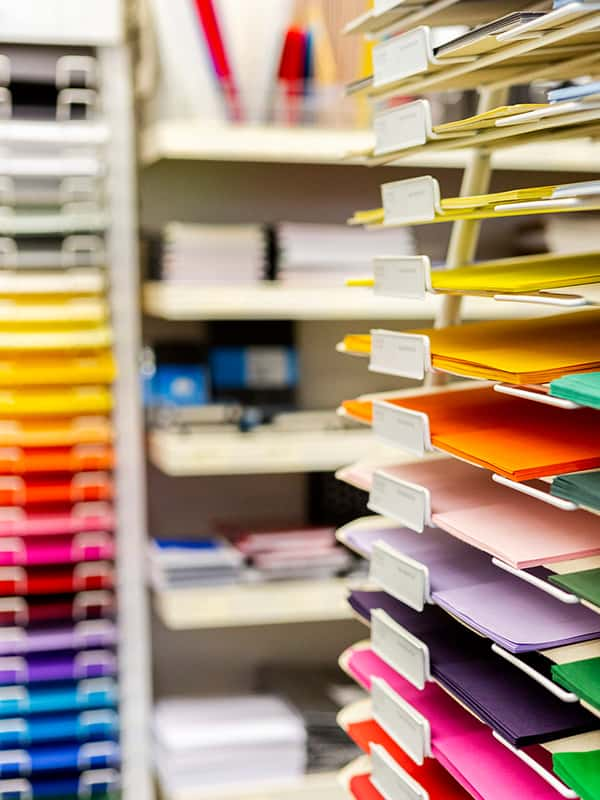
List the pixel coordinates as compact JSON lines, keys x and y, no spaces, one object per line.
{"x":519,"y":275}
{"x":504,"y":434}
{"x":505,"y":698}
{"x":227,"y":743}
{"x":583,"y":389}
{"x":59,"y":726}
{"x":495,"y":774}
{"x":515,"y":614}
{"x":581,"y":488}
{"x":516,"y":351}
{"x":466,"y":503}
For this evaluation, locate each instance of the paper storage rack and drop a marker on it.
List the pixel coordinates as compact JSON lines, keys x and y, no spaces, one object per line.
{"x":86,"y":169}
{"x":552,"y":51}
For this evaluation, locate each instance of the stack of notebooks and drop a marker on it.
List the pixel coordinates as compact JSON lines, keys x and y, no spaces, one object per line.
{"x":214,"y":255}
{"x":247,"y":555}
{"x":185,"y":564}
{"x":229,"y":743}
{"x":293,"y":554}
{"x":316,"y":255}
{"x":59,"y":730}
{"x":318,"y":694}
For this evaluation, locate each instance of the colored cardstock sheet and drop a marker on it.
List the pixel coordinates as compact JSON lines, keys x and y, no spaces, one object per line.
{"x":83,"y":577}
{"x":86,"y":726}
{"x":94,"y":634}
{"x":75,"y":696}
{"x":57,"y":520}
{"x":580,"y":677}
{"x":81,"y":458}
{"x":57,"y":758}
{"x":580,"y":771}
{"x":513,"y":351}
{"x":582,"y":488}
{"x":456,"y":736}
{"x":585,"y":584}
{"x":67,"y":665}
{"x":520,"y":275}
{"x":18,"y":611}
{"x":513,"y":437}
{"x":581,"y":388}
{"x":57,"y":549}
{"x":431,"y":775}
{"x":463,"y":581}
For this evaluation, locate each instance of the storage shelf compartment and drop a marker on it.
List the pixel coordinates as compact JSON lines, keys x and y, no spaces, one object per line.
{"x":259,"y":451}
{"x":200,"y":141}
{"x":183,"y":301}
{"x":236,"y":605}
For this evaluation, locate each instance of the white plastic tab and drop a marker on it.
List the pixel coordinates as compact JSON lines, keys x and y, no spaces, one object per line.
{"x":402,"y":56}
{"x":406,"y":503}
{"x":18,"y":760}
{"x":401,"y":427}
{"x":400,"y":649}
{"x":408,"y":125}
{"x":412,"y":200}
{"x":408,"y":277}
{"x":404,"y":578}
{"x":409,"y":729}
{"x":407,"y":355}
{"x":390,"y":780}
{"x":381,"y":6}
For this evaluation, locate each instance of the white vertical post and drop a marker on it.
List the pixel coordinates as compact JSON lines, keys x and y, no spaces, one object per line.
{"x":465,"y":233}
{"x":134,"y":638}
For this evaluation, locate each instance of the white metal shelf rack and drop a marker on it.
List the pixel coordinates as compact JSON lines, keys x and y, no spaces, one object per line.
{"x":101,"y":24}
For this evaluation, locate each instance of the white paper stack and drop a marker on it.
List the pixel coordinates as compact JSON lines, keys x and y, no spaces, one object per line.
{"x":326,"y":255}
{"x":212,"y":254}
{"x":194,"y":563}
{"x":227,"y":742}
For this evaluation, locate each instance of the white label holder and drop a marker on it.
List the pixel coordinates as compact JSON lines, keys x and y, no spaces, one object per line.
{"x":401,"y":576}
{"x":407,"y":277}
{"x":407,"y":355}
{"x":410,"y":201}
{"x":400,"y":649}
{"x":406,"y":503}
{"x":390,"y":780}
{"x":409,"y":729}
{"x":401,"y":56}
{"x":401,"y":427}
{"x":400,"y":128}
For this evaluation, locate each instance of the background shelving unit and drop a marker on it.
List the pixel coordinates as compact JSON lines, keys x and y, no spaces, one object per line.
{"x":189,"y":141}
{"x":193,"y":171}
{"x":103,"y":26}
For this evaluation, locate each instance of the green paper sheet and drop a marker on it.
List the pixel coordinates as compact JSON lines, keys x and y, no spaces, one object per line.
{"x":583,"y":388}
{"x":580,"y":677}
{"x":580,"y":771}
{"x":584,"y":584}
{"x":582,"y":488}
